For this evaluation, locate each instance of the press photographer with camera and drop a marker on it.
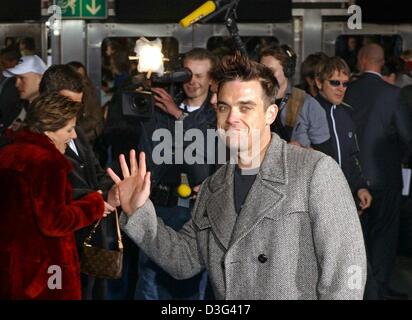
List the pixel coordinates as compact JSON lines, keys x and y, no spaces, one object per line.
{"x":194,"y":111}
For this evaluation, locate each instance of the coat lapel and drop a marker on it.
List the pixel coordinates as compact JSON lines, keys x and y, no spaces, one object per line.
{"x":80,"y":143}
{"x":266,"y":192}
{"x":72,"y":155}
{"x":81,"y":150}
{"x":221,"y":208}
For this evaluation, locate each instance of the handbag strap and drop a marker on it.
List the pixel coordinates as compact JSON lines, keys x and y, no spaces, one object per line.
{"x":87,"y":241}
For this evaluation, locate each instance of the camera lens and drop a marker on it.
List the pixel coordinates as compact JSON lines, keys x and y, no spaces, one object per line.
{"x":140,"y":104}
{"x":137,"y":104}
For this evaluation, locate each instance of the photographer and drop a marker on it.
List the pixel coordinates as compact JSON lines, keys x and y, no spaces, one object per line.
{"x":195,"y":111}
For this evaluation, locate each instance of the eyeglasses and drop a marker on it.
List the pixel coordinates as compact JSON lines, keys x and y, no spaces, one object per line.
{"x":337,"y":83}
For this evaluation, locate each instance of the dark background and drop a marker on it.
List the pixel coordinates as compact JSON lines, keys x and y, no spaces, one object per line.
{"x":19,"y":10}
{"x":172,"y":11}
{"x":386,"y":11}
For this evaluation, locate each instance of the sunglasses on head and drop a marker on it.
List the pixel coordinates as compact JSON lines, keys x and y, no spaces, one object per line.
{"x":337,"y":83}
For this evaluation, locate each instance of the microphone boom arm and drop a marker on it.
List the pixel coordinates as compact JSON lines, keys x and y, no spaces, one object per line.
{"x":230,"y":23}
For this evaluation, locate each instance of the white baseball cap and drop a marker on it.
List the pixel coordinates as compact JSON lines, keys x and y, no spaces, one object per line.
{"x":26,"y":64}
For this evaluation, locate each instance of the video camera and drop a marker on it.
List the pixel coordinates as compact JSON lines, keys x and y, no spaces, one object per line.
{"x":138,"y":101}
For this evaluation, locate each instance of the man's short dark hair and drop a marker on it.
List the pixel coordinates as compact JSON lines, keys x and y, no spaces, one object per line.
{"x":327,"y":67}
{"x":76,"y":65}
{"x":286,"y":56}
{"x":308,"y":67}
{"x":239,"y":67}
{"x":61,"y":77}
{"x":201,"y":54}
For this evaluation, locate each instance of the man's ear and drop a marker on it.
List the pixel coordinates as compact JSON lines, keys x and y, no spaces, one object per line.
{"x":271,"y":113}
{"x":318,"y":83}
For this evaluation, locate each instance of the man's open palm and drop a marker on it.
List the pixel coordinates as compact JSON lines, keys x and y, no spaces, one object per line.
{"x":134,"y":189}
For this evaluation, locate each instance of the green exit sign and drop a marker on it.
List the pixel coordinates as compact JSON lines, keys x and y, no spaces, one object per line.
{"x":83,"y":9}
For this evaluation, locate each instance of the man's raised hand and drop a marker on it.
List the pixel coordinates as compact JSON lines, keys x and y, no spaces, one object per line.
{"x":134,"y":189}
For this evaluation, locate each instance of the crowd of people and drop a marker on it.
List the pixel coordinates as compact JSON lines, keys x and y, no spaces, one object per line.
{"x":317,"y":218}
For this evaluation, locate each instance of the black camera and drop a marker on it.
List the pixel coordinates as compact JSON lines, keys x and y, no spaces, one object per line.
{"x":139,"y":102}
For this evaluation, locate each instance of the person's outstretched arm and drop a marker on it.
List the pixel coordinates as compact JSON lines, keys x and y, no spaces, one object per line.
{"x":176,"y":252}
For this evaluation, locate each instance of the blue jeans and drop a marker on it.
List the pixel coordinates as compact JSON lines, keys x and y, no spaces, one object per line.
{"x":154,"y":283}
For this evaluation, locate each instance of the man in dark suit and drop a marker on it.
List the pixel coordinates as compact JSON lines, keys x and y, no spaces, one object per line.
{"x":87,"y":175}
{"x":382,"y":124}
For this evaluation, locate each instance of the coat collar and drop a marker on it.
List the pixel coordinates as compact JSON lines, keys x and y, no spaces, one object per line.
{"x":273,"y":167}
{"x":38,"y":139}
{"x":81,"y":155}
{"x":323,"y":102}
{"x":373,"y":73}
{"x":264,"y":195}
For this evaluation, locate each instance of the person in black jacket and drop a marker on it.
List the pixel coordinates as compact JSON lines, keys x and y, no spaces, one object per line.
{"x":382,"y":125}
{"x":88,"y":175}
{"x":332,"y":79}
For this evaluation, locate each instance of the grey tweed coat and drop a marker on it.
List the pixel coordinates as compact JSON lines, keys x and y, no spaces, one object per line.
{"x":298,"y":235}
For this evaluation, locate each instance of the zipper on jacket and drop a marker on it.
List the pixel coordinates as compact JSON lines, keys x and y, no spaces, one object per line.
{"x":336,"y":135}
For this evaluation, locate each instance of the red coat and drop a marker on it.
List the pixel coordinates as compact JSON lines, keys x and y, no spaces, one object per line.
{"x":37,"y":220}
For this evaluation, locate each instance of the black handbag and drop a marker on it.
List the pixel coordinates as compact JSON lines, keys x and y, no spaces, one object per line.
{"x":99,"y":262}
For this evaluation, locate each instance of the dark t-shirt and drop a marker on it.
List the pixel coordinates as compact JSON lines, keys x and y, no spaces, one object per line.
{"x":243,"y":183}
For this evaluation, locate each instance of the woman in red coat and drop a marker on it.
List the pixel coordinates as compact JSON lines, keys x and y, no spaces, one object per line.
{"x":38,"y":256}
